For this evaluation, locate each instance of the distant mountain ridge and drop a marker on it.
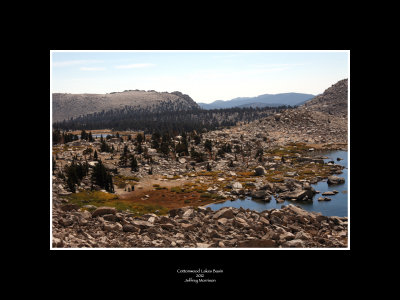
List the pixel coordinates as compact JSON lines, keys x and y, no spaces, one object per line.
{"x":66,"y":106}
{"x":260,"y":101}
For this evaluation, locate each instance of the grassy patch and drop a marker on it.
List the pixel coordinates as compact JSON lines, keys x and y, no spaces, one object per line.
{"x":200,"y":189}
{"x":211,"y":196}
{"x":98,"y":199}
{"x":208,"y":173}
{"x":177,"y":189}
{"x":245,"y":174}
{"x":205,"y":195}
{"x":157,"y":187}
{"x":130,"y":178}
{"x":288,"y":150}
{"x":160,"y":188}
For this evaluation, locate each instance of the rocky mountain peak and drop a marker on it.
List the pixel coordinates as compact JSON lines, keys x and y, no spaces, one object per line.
{"x":332,"y":101}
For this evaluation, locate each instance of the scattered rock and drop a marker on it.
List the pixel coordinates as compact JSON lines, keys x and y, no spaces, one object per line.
{"x":130,"y":228}
{"x":328,"y":193}
{"x":297,"y":243}
{"x":237,"y":185}
{"x":110,"y":217}
{"x":229,"y":227}
{"x":65,"y":222}
{"x":112,"y":226}
{"x":203,"y":245}
{"x":142,"y":224}
{"x":297,"y":195}
{"x":69,"y":207}
{"x":324,"y":199}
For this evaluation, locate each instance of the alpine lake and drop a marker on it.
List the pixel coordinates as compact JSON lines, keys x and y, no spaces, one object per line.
{"x":338,"y":206}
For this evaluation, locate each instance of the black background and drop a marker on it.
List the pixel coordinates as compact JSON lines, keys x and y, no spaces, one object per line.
{"x":282,"y":271}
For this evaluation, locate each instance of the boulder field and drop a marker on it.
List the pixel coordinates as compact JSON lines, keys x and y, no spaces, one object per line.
{"x":198,"y":227}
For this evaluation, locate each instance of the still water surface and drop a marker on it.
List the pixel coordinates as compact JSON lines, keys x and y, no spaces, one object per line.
{"x":338,"y":206}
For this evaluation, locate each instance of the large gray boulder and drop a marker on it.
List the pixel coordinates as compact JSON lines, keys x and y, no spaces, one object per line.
{"x":104,"y":210}
{"x":268,"y":186}
{"x":188,"y":213}
{"x":226,"y":213}
{"x":112,"y":226}
{"x":297,"y":243}
{"x":259,"y":171}
{"x":335,"y":180}
{"x":297,"y":195}
{"x":261,"y":194}
{"x":237,"y":185}
{"x":142,"y":224}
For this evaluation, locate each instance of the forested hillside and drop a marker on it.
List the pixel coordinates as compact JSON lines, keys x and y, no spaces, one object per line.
{"x":144,"y":119}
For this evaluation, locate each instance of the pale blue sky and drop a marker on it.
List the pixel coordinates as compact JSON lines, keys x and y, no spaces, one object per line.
{"x":205,"y":76}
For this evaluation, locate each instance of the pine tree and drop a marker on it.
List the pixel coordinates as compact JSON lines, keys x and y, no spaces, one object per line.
{"x":155,"y":140}
{"x":84,"y":135}
{"x":139,"y":138}
{"x":164,"y":148}
{"x":104,"y":147}
{"x":208,"y":145}
{"x":126,"y":150}
{"x":123,"y":160}
{"x":90,"y":137}
{"x":57,"y":138}
{"x":133,"y":164}
{"x":231,"y":165}
{"x":139,"y":149}
{"x":95,"y":155}
{"x":197,"y":139}
{"x":102,"y":177}
{"x":54,"y":165}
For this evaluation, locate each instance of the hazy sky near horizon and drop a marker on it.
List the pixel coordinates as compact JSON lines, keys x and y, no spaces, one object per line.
{"x":205,"y":76}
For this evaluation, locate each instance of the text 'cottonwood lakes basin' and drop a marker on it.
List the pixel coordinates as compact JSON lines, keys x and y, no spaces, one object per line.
{"x":338,"y":206}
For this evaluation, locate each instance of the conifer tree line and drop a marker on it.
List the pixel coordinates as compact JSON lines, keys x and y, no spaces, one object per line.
{"x":63,"y":137}
{"x":173,"y":122}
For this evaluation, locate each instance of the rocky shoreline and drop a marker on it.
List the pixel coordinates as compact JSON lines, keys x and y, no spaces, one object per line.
{"x":198,"y":227}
